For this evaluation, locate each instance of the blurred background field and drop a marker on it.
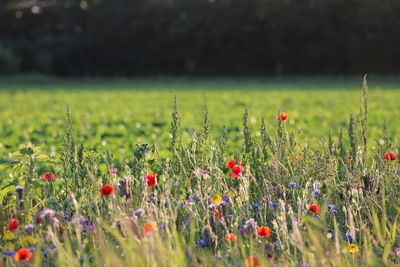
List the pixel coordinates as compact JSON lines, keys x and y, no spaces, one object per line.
{"x":115,"y":114}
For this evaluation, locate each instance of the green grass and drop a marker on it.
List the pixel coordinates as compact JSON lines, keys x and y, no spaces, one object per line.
{"x":118,"y":113}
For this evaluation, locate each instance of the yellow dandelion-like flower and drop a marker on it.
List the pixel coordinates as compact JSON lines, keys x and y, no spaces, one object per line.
{"x":28,"y":241}
{"x":231,"y":193}
{"x":8,"y":235}
{"x":353,"y":248}
{"x":216,"y":199}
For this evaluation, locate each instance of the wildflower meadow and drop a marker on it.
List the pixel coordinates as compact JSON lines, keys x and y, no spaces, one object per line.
{"x":202,"y":178}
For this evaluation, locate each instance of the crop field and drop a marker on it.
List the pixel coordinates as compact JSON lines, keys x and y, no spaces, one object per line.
{"x":200,"y":171}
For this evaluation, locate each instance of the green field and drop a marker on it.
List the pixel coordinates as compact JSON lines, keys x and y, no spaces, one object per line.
{"x":84,"y":186}
{"x":118,"y":113}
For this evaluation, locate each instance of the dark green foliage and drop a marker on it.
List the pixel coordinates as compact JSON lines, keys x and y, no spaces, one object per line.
{"x":125,"y":37}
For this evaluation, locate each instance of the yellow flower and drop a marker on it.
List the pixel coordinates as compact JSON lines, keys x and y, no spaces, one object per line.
{"x":353,"y":248}
{"x":8,"y":235}
{"x":28,"y":241}
{"x":8,"y":246}
{"x":231,"y":194}
{"x":216,"y":199}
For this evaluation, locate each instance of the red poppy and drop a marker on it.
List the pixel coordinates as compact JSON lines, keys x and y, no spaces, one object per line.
{"x":389,"y":156}
{"x":236,"y":171}
{"x":314,"y":208}
{"x":151,"y":179}
{"x":230,"y":163}
{"x":264,"y":231}
{"x":49,"y":175}
{"x":252,"y":261}
{"x":231,"y":237}
{"x":282,"y":116}
{"x":12,"y":225}
{"x":23,"y":254}
{"x":107,"y":190}
{"x":148,"y":229}
{"x":217,"y":215}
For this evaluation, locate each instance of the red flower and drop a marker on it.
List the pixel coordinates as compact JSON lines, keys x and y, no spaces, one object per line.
{"x":236,"y":171}
{"x":264,"y":231}
{"x":231,"y":237}
{"x":230,"y":163}
{"x":314,"y":208}
{"x":252,"y":261}
{"x":151,"y":179}
{"x":217,"y":215}
{"x":148,"y":229}
{"x":389,"y":156}
{"x":282,"y":116}
{"x":12,"y":225}
{"x":49,"y":175}
{"x":107,"y":190}
{"x":23,"y":254}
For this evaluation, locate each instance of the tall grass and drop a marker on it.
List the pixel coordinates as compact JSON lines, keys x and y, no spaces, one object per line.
{"x":196,"y":203}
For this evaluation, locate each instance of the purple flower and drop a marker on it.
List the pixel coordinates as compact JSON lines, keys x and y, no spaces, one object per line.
{"x":330,"y":207}
{"x":19,"y":188}
{"x":334,"y":212}
{"x":47,"y":213}
{"x":10,"y":252}
{"x":241,"y":232}
{"x":316,"y":192}
{"x":292,"y":184}
{"x":305,"y":265}
{"x":200,"y":243}
{"x":204,"y":172}
{"x":271,"y":187}
{"x":256,"y":205}
{"x":138,"y":212}
{"x":91,"y":227}
{"x":113,"y":170}
{"x":272,"y":204}
{"x":163,"y":226}
{"x":250,"y":223}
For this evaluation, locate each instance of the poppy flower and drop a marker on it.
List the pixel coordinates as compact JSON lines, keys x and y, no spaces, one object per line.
{"x":264,"y":231}
{"x":107,"y":190}
{"x":236,"y":171}
{"x":230,"y":163}
{"x":231,"y":237}
{"x":12,"y":225}
{"x":389,"y":156}
{"x":217,"y":215}
{"x":252,"y":261}
{"x":23,"y":254}
{"x":148,"y":229}
{"x":282,"y":116}
{"x":49,"y":175}
{"x":151,"y":179}
{"x":314,"y":208}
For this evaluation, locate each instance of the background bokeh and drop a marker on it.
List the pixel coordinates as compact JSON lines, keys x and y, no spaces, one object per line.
{"x":199,"y":37}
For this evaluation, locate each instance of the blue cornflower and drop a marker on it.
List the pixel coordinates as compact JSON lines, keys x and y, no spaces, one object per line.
{"x":10,"y":252}
{"x":292,"y":184}
{"x":330,"y":207}
{"x":316,"y":192}
{"x":256,"y":205}
{"x":200,"y":243}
